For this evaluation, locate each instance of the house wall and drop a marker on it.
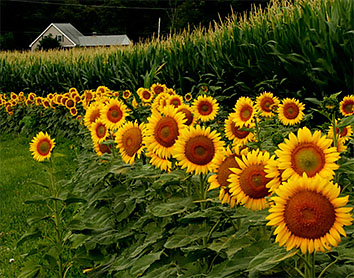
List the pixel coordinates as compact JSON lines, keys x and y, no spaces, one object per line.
{"x":52,"y":30}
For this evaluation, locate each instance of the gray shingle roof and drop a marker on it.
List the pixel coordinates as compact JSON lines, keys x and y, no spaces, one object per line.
{"x":104,"y":40}
{"x":70,"y":31}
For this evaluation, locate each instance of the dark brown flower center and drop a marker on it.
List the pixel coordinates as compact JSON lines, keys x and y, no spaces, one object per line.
{"x":291,"y":111}
{"x":132,"y":140}
{"x":205,"y":108}
{"x":240,"y":134}
{"x":166,"y":132}
{"x":253,"y":181}
{"x":309,"y":214}
{"x":188,"y":115}
{"x":200,"y":150}
{"x":246,"y":113}
{"x":114,"y":114}
{"x":101,"y":130}
{"x":224,"y":170}
{"x":266,"y":104}
{"x":44,"y":146}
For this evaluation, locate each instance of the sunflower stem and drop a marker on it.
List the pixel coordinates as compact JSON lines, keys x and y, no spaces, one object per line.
{"x":310,"y":265}
{"x":327,"y":267}
{"x":259,"y":143}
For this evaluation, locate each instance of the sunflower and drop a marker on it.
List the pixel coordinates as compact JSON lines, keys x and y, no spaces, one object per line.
{"x":220,"y":179}
{"x":188,"y":97}
{"x":345,"y":134}
{"x":73,"y":111}
{"x":205,"y":108}
{"x":162,"y":131}
{"x":265,"y":103}
{"x":248,"y":182}
{"x":126,"y":94}
{"x":341,"y":147}
{"x":93,"y":113}
{"x":244,"y":111}
{"x":235,"y":133}
{"x":175,"y":100}
{"x":163,"y":164}
{"x":101,"y":148}
{"x":158,"y":88}
{"x":273,"y":172}
{"x":145,"y":95}
{"x":290,"y":111}
{"x":307,"y":153}
{"x":99,"y":131}
{"x":196,"y":148}
{"x":129,"y":139}
{"x":160,"y":101}
{"x":114,"y":113}
{"x":70,"y":103}
{"x":308,"y":214}
{"x":41,"y":146}
{"x":346,"y":106}
{"x":188,"y":114}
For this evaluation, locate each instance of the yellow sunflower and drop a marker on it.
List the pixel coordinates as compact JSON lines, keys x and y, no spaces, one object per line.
{"x":41,"y":146}
{"x":113,"y":114}
{"x":129,"y":139}
{"x":307,"y":153}
{"x":126,"y":94}
{"x":248,"y":181}
{"x":188,"y":114}
{"x":290,"y":111}
{"x":196,"y":148}
{"x":341,"y":147}
{"x":346,"y":106}
{"x":188,"y":97}
{"x":158,"y":88}
{"x":265,"y":104}
{"x":70,"y":103}
{"x":223,"y":163}
{"x":234,"y":132}
{"x":101,"y":148}
{"x":162,"y":131}
{"x":308,"y":214}
{"x":73,"y":111}
{"x":145,"y":94}
{"x":93,"y":113}
{"x":273,"y":173}
{"x":99,"y":131}
{"x":205,"y":108}
{"x":163,"y":164}
{"x":345,"y":134}
{"x":175,"y":100}
{"x":159,"y":102}
{"x":244,"y":111}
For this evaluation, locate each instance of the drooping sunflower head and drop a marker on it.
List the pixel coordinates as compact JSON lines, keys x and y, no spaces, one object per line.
{"x":129,"y":139}
{"x":188,"y":114}
{"x":114,"y":113}
{"x":346,"y":106}
{"x":158,"y":88}
{"x":307,"y":153}
{"x":236,"y":133}
{"x":164,"y":164}
{"x":159,"y":102}
{"x":41,"y":146}
{"x":244,"y":111}
{"x":162,"y":131}
{"x":99,"y":131}
{"x":273,"y":173}
{"x":145,"y":94}
{"x":102,"y":148}
{"x":290,"y":111}
{"x":248,"y":181}
{"x":196,"y":148}
{"x":93,"y":113}
{"x":308,"y":214}
{"x":265,"y":104}
{"x":205,"y":108}
{"x":102,"y":90}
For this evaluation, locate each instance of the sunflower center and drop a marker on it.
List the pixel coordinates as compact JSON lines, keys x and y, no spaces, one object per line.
{"x":240,"y":134}
{"x":104,"y":148}
{"x":307,"y":158}
{"x":44,"y":147}
{"x":253,"y":181}
{"x":166,"y":132}
{"x":309,"y":214}
{"x":158,"y":90}
{"x":200,"y":150}
{"x":132,"y":140}
{"x":70,"y":103}
{"x":266,"y":104}
{"x":176,"y":102}
{"x":94,"y":115}
{"x":291,"y":111}
{"x":348,"y":107}
{"x":101,"y":131}
{"x":146,"y":95}
{"x":224,"y":170}
{"x":205,"y":108}
{"x":114,"y":114}
{"x":187,"y":115}
{"x":246,"y":113}
{"x":343,"y":133}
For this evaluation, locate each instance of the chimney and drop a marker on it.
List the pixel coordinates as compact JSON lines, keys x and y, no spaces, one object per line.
{"x":94,"y":34}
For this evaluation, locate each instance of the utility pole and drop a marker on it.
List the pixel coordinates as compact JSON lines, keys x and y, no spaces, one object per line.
{"x":158,"y":28}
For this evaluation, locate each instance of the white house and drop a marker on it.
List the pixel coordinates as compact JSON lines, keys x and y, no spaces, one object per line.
{"x":68,"y":36}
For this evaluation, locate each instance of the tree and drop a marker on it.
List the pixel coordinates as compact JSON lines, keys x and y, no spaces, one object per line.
{"x":48,"y":42}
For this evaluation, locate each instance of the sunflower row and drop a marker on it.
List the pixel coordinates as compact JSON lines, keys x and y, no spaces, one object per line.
{"x":296,"y":183}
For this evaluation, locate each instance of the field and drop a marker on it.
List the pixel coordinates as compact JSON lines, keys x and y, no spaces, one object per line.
{"x":209,"y":168}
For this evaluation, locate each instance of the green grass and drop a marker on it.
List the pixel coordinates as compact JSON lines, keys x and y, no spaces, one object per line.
{"x":17,"y":171}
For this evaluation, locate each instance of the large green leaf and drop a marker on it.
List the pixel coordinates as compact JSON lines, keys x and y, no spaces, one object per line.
{"x":186,"y":235}
{"x":143,"y":263}
{"x":173,"y":206}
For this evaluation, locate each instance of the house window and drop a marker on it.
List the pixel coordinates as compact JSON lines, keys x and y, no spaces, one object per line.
{"x":59,"y":38}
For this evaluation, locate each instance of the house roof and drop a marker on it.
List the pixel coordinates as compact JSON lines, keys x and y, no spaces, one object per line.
{"x":68,"y":30}
{"x":104,"y":40}
{"x":77,"y":38}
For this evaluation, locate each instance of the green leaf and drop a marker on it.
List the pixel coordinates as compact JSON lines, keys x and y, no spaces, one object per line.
{"x":173,"y":206}
{"x":37,"y":218}
{"x":28,"y":236}
{"x":186,"y":235}
{"x":30,"y":270}
{"x":143,"y":263}
{"x":230,"y":245}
